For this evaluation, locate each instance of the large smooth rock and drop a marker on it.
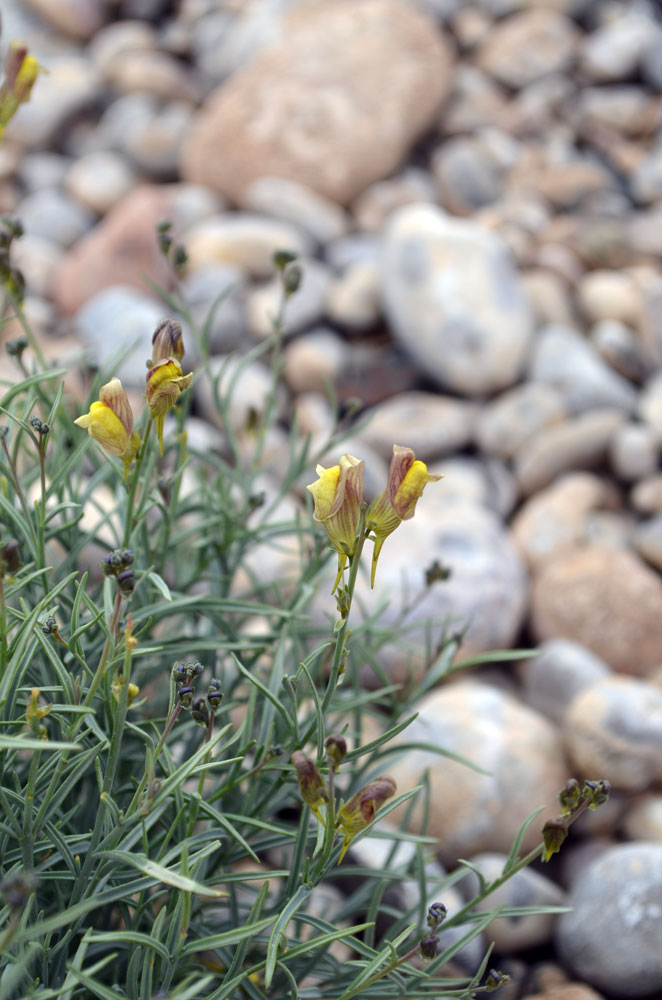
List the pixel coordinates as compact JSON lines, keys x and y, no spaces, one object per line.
{"x":454,"y":300}
{"x":604,"y":598}
{"x":468,"y":811}
{"x":614,"y":727}
{"x":611,"y":937}
{"x":334,"y":105}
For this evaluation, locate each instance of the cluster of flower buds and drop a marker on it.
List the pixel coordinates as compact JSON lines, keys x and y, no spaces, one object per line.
{"x":429,"y":945}
{"x":338,"y":498}
{"x":118,"y":564}
{"x":10,"y":558}
{"x":39,"y":427}
{"x":10,"y":230}
{"x":203,"y":707}
{"x":15,"y":348}
{"x":575,"y":799}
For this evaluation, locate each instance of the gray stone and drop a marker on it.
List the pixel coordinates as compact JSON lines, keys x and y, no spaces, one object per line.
{"x":488,"y":482}
{"x":244,"y":241}
{"x":467,"y":176}
{"x":303,"y":309}
{"x":646,"y":178}
{"x":202,"y":288}
{"x":99,"y":180}
{"x":454,"y":301}
{"x":353,"y":300}
{"x":319,"y":217}
{"x":471,"y":811}
{"x":72,"y":85}
{"x":577,"y":443}
{"x":51,"y":215}
{"x":41,"y":170}
{"x":116,"y":326}
{"x":616,"y":948}
{"x":651,"y":62}
{"x":614,"y":51}
{"x":486,"y":592}
{"x":433,"y":425}
{"x":648,"y":542}
{"x":116,"y":40}
{"x":357,"y":248}
{"x":644,"y":231}
{"x":508,"y":421}
{"x":79,"y":19}
{"x":643,"y":819}
{"x":528,"y":46}
{"x":650,"y":403}
{"x":146,"y":130}
{"x":512,"y":934}
{"x":617,"y":344}
{"x":38,"y":260}
{"x":562,"y":670}
{"x":566,"y":360}
{"x":635,"y":452}
{"x":380,"y":200}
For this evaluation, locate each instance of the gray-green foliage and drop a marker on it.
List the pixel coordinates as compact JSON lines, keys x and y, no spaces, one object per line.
{"x":141,"y":861}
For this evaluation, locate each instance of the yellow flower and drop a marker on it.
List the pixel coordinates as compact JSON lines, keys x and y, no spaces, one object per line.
{"x":337,"y":495}
{"x":167,"y":341}
{"x":110,"y":422}
{"x":312,"y":788}
{"x":21,"y":71}
{"x":165,"y":384}
{"x":362,"y":808}
{"x":407,"y":478}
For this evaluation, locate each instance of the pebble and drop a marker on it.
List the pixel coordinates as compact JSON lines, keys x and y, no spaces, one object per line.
{"x":605,"y":598}
{"x":562,"y":669}
{"x":614,"y":51}
{"x":487,"y":482}
{"x":120,"y":250}
{"x":353,"y":300}
{"x":225,"y":320}
{"x":556,"y":517}
{"x":646,"y":496}
{"x":614,"y":727}
{"x":529,"y":45}
{"x":634,"y":452}
{"x":485,"y":596}
{"x":643,"y":819}
{"x":646,"y":179}
{"x":467,"y":175}
{"x":378,"y":201}
{"x":433,"y":425}
{"x":650,"y":403}
{"x":648,"y":541}
{"x":512,"y":934}
{"x":470,"y":329}
{"x":549,"y":297}
{"x":321,"y":219}
{"x":617,"y":344}
{"x":625,"y":108}
{"x":616,"y":948}
{"x":651,"y":61}
{"x":505,"y":423}
{"x":41,"y":170}
{"x":644,"y":231}
{"x":314,"y":361}
{"x":477,"y":101}
{"x":80,"y":19}
{"x":51,"y":215}
{"x":147,"y":130}
{"x":116,"y":325}
{"x":303,"y":310}
{"x":577,"y":443}
{"x":610,"y":295}
{"x":470,"y":812}
{"x":38,"y":260}
{"x":244,"y":241}
{"x":116,"y":40}
{"x":99,"y":180}
{"x":350,"y":88}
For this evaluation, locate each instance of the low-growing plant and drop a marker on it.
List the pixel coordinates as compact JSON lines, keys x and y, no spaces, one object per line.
{"x":184,"y":757}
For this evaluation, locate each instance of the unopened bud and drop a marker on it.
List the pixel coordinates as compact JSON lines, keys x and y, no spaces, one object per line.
{"x":200,"y":710}
{"x":282,"y":258}
{"x":126,"y":581}
{"x":15,"y":348}
{"x":436,"y":913}
{"x":596,"y":792}
{"x":167,"y":341}
{"x":292,"y":278}
{"x":429,"y":946}
{"x":495,"y":979}
{"x":185,"y":695}
{"x":336,"y":750}
{"x":10,"y":559}
{"x":311,"y":786}
{"x":49,"y":626}
{"x":214,"y":695}
{"x":39,"y":427}
{"x":554,"y":833}
{"x":569,"y":796}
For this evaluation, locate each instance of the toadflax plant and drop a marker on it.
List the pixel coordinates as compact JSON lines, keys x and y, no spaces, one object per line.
{"x":185,"y":756}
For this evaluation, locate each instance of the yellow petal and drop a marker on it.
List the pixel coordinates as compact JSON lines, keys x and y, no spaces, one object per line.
{"x":105,"y":427}
{"x":324,"y":491}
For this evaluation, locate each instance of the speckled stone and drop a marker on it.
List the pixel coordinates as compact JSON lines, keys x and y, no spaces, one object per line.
{"x":471,"y":812}
{"x":616,"y":948}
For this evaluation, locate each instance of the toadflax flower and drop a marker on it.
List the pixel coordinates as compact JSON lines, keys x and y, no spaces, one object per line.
{"x":362,"y":808}
{"x":165,"y":378}
{"x":407,"y":478}
{"x":337,"y":495}
{"x":311,"y":786}
{"x":21,"y":71}
{"x":110,"y":422}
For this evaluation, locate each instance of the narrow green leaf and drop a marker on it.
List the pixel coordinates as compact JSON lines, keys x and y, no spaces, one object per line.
{"x":165,"y":875}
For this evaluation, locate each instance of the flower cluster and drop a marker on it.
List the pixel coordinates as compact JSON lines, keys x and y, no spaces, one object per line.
{"x":110,"y":419}
{"x":338,"y":501}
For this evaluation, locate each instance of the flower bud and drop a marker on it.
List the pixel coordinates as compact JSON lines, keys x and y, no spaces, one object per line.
{"x":185,"y":695}
{"x":554,"y":833}
{"x":126,"y":581}
{"x":337,"y":497}
{"x":10,"y":559}
{"x":167,"y":341}
{"x":596,"y":792}
{"x":282,"y":258}
{"x":336,"y":750}
{"x":292,"y":278}
{"x":569,"y":796}
{"x":200,"y":710}
{"x":436,"y":913}
{"x":429,"y":946}
{"x":312,"y":788}
{"x":165,"y":384}
{"x":361,"y":809}
{"x":214,"y":694}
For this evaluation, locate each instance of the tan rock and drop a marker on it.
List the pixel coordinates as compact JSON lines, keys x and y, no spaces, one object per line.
{"x":604,"y":598}
{"x":335,"y":104}
{"x":523,"y":48}
{"x":120,"y":250}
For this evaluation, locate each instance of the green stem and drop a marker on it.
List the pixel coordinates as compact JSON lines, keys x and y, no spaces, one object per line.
{"x":133,"y":485}
{"x":25,"y":326}
{"x":21,"y":497}
{"x":3,"y":628}
{"x":27,"y":849}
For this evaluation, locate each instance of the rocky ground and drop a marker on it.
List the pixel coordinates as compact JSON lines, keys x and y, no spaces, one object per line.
{"x":475,"y":189}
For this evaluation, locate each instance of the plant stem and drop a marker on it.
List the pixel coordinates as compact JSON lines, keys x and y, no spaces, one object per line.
{"x":135,"y":476}
{"x":3,"y":628}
